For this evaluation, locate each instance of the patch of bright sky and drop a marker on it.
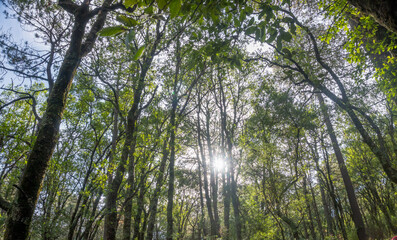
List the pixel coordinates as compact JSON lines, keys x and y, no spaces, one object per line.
{"x":20,"y":34}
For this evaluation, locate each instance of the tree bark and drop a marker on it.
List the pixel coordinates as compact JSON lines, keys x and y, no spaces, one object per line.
{"x":356,"y":214}
{"x":327,"y":211}
{"x":130,"y":192}
{"x":154,"y":199}
{"x":230,"y":164}
{"x":171,"y":167}
{"x":140,"y":203}
{"x":111,"y":222}
{"x":22,"y":209}
{"x":379,"y":147}
{"x":202,"y":219}
{"x":214,"y":186}
{"x":308,"y":207}
{"x":205,"y":177}
{"x":383,"y":11}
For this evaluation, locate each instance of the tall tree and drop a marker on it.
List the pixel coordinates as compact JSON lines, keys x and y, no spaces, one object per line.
{"x":21,"y":212}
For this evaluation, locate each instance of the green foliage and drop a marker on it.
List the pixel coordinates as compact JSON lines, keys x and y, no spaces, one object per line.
{"x":112,"y":31}
{"x":139,"y":53}
{"x":255,"y":109}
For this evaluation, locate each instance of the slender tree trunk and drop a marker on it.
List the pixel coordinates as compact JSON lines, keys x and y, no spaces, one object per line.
{"x":154,"y":200}
{"x":315,"y":207}
{"x":171,"y":166}
{"x":115,"y":132}
{"x":214,"y":186}
{"x":111,"y":222}
{"x":225,"y":190}
{"x":22,"y":209}
{"x":140,"y":203}
{"x":88,"y":227}
{"x":141,"y":235}
{"x":309,"y":209}
{"x":233,"y":183}
{"x":337,"y":206}
{"x":378,"y":202}
{"x":204,"y":164}
{"x":129,"y":192}
{"x":171,"y":179}
{"x":356,"y":214}
{"x":327,"y":211}
{"x":227,"y":155}
{"x":202,"y":219}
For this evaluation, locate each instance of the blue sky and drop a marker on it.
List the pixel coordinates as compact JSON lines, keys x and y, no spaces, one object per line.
{"x":19,"y":35}
{"x":12,"y":26}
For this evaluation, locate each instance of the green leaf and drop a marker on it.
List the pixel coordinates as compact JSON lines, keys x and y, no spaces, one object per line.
{"x":287,"y":52}
{"x":149,"y":10}
{"x":250,"y":30}
{"x":273,"y":35}
{"x":129,"y":37}
{"x":293,"y":28}
{"x":161,"y":3}
{"x":130,"y":3}
{"x":129,"y":22}
{"x":251,"y":22}
{"x":236,"y":22}
{"x":175,"y":6}
{"x":279,"y":43}
{"x":286,"y":36}
{"x":139,"y":53}
{"x":111,"y":31}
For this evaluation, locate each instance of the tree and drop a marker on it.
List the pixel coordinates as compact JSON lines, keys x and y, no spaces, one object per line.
{"x":21,"y":212}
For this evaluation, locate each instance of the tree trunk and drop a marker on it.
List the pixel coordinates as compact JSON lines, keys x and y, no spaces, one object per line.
{"x":173,"y":126}
{"x":154,"y":200}
{"x":202,"y":219}
{"x":129,"y":192}
{"x":337,"y":206}
{"x":356,"y":214}
{"x":327,"y":211}
{"x":204,"y":164}
{"x":383,"y":11}
{"x":111,"y":222}
{"x":225,"y":190}
{"x":22,"y":209}
{"x":318,"y":218}
{"x":308,"y":207}
{"x":171,"y":167}
{"x":214,"y":186}
{"x":140,"y":203}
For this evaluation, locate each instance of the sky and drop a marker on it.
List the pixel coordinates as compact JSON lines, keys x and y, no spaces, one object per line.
{"x":13,"y":26}
{"x":19,"y":35}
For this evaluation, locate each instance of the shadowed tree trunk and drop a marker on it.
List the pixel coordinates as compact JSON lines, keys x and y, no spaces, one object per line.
{"x":205,"y":177}
{"x":154,"y":199}
{"x":214,"y":186}
{"x":138,"y":216}
{"x":378,"y":146}
{"x":21,"y":211}
{"x":171,"y":166}
{"x":202,"y":217}
{"x":130,"y":192}
{"x":383,"y":11}
{"x":356,"y":214}
{"x":111,"y":222}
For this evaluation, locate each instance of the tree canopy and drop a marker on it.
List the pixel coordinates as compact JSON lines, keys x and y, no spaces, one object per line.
{"x":170,"y":119}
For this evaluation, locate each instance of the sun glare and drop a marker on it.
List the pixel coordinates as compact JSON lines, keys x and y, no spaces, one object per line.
{"x":219,"y":164}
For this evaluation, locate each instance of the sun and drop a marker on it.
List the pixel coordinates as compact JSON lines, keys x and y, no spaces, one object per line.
{"x":219,"y":164}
